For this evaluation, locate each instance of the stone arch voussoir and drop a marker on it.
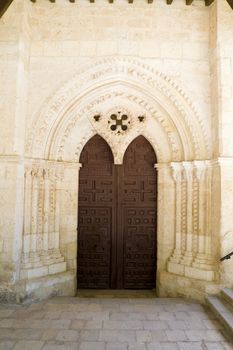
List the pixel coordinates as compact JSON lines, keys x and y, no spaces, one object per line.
{"x":172,"y":124}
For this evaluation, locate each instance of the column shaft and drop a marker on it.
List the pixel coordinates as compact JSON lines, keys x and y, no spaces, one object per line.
{"x":46,"y":211}
{"x":188,"y":254}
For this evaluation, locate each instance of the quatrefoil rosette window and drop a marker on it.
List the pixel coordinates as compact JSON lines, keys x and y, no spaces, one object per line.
{"x":119,"y":121}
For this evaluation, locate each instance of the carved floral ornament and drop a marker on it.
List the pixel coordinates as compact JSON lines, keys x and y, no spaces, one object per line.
{"x":117,"y":141}
{"x":177,"y":126}
{"x":119,"y":121}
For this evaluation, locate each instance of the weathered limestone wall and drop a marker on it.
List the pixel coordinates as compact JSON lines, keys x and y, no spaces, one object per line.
{"x":67,"y":35}
{"x":224,"y":50}
{"x":14,"y":68}
{"x":62,"y":63}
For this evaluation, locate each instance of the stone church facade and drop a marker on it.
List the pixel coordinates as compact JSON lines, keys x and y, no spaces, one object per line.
{"x":66,"y":69}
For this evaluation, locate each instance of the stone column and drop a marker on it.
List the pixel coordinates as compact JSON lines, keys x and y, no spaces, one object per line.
{"x":58,"y":179}
{"x":177,"y":170}
{"x":200,"y":170}
{"x":34,"y":212}
{"x":202,"y":267}
{"x":183,"y":210}
{"x":52,"y":181}
{"x":27,"y":211}
{"x":42,"y":213}
{"x":188,"y":254}
{"x":162,"y":175}
{"x":27,"y":216}
{"x":69,"y":209}
{"x":51,"y":234}
{"x":174,"y":264}
{"x":204,"y":258}
{"x":46,"y":214}
{"x":40,"y":220}
{"x":208,"y":236}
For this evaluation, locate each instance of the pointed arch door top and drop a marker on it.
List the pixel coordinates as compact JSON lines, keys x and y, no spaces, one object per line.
{"x":117,"y":217}
{"x":97,"y":151}
{"x":139,"y":156}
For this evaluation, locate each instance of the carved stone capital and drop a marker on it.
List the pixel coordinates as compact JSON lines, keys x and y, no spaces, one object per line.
{"x":40,"y":172}
{"x":46,"y":173}
{"x":161,"y":166}
{"x":177,"y":171}
{"x":34,"y":172}
{"x":200,"y":170}
{"x":188,"y":167}
{"x":59,"y":174}
{"x":27,"y":171}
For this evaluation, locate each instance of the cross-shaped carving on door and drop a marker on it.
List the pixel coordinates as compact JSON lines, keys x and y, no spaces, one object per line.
{"x":93,"y":190}
{"x":142,"y":191}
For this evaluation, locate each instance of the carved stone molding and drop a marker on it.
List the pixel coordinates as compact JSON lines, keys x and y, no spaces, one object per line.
{"x":162,"y":141}
{"x":41,"y":254}
{"x":193,"y":251}
{"x":145,"y":84}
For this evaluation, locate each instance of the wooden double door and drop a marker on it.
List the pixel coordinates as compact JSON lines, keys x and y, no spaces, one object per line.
{"x":117,"y":217}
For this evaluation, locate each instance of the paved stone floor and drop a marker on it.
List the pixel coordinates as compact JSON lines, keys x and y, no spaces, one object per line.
{"x":111,"y":324}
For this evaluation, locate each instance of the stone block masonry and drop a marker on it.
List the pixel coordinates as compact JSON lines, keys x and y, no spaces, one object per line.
{"x":60,"y":65}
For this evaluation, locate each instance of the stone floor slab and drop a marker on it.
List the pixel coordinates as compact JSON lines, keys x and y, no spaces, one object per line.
{"x":191,"y":345}
{"x":214,"y":346}
{"x":92,"y":346}
{"x":163,"y":346}
{"x":117,"y":346}
{"x":6,"y":345}
{"x":68,"y":335}
{"x":177,"y":335}
{"x":137,"y":346}
{"x":28,"y":345}
{"x":57,"y":345}
{"x":143,"y":336}
{"x":111,"y":324}
{"x":89,"y":335}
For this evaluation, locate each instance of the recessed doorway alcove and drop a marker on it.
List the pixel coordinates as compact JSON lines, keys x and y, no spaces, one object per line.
{"x":123,"y":146}
{"x":117,"y":217}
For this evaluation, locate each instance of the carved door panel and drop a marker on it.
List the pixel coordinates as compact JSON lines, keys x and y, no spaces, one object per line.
{"x":117,"y":217}
{"x":138,"y":216}
{"x":96,"y":215}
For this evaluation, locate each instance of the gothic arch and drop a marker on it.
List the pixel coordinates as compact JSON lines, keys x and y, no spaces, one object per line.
{"x":138,"y":138}
{"x":172,"y":124}
{"x":93,"y":139}
{"x":180,"y":137}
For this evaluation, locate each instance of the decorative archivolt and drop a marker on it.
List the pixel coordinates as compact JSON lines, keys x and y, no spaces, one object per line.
{"x":78,"y":126}
{"x":172,"y":124}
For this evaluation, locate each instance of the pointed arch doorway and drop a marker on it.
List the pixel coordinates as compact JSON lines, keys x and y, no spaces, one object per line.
{"x":117,"y":217}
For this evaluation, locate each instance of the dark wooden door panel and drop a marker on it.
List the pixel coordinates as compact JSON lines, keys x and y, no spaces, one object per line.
{"x":96,"y":223}
{"x":117,"y":217}
{"x":138,"y":190}
{"x":138,"y":215}
{"x":139,"y":248}
{"x":94,"y":247}
{"x":97,"y":191}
